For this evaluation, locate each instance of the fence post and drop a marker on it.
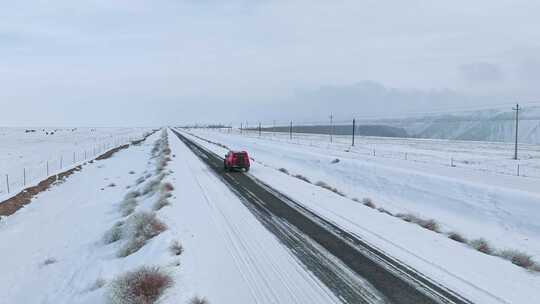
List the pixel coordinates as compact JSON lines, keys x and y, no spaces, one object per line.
{"x":24,"y":177}
{"x":353,"y":130}
{"x":452,"y":162}
{"x":259,"y":129}
{"x":74,"y":159}
{"x":518,"y":170}
{"x":405,"y":155}
{"x":373,"y":152}
{"x":7,"y":183}
{"x":61,"y":161}
{"x":47,"y":169}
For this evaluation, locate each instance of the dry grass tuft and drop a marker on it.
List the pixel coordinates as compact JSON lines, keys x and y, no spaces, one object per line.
{"x":132,"y":194}
{"x":198,"y":300}
{"x":142,"y":286}
{"x":114,"y":234}
{"x":457,"y":237}
{"x":303,"y":178}
{"x":429,"y":224}
{"x":176,"y":248}
{"x":382,"y":210}
{"x":138,"y":229}
{"x":482,"y":245}
{"x":151,"y":186}
{"x":518,"y":258}
{"x":49,"y":261}
{"x":160,"y":203}
{"x":283,"y":170}
{"x":328,"y":187}
{"x":368,"y":202}
{"x":167,"y":187}
{"x":99,"y":283}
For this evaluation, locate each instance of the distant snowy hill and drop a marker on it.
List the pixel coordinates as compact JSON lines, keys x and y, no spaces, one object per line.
{"x":481,"y":125}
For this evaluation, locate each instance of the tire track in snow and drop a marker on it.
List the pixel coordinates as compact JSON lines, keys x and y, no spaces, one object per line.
{"x":243,"y":248}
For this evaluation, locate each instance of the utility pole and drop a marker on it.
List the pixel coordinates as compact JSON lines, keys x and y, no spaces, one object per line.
{"x":290,"y":131}
{"x":331,"y":126}
{"x":517,"y":109}
{"x":353,"y":130}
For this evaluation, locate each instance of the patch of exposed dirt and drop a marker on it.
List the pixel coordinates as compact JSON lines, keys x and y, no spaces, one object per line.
{"x":11,"y":205}
{"x":111,"y":152}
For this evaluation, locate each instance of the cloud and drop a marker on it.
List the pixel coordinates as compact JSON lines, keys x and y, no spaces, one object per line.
{"x":205,"y":59}
{"x":481,"y":73}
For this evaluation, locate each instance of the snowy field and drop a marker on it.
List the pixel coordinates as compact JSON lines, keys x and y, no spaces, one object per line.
{"x":493,"y":157}
{"x":69,"y":245}
{"x":29,"y":153}
{"x":503,"y":209}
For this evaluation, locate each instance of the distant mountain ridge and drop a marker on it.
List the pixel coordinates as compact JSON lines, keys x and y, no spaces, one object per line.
{"x":480,"y":125}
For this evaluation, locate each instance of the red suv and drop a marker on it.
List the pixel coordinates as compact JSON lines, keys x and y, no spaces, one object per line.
{"x":236,"y":160}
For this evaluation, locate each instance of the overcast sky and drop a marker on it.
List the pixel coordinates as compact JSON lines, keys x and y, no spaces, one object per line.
{"x":132,"y":62}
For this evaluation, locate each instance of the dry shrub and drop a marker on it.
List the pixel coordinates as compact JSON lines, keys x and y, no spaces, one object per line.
{"x":131,"y":172}
{"x":49,"y":261}
{"x":127,"y":206}
{"x":382,"y":210}
{"x":99,"y":283}
{"x":481,"y":245}
{"x":166,"y":195}
{"x":130,"y":247}
{"x":429,"y":224}
{"x":328,"y":187}
{"x":140,"y":180}
{"x":160,"y":203}
{"x":176,"y":248}
{"x":518,"y":258}
{"x":142,"y":286}
{"x":335,"y":161}
{"x":368,"y":202}
{"x":132,"y":194}
{"x":355,"y":199}
{"x":139,"y":228}
{"x":111,"y":185}
{"x":303,"y":178}
{"x":283,"y":170}
{"x":151,"y":186}
{"x":407,"y":217}
{"x":457,"y":237}
{"x":167,"y":187}
{"x":114,"y":234}
{"x":198,"y":300}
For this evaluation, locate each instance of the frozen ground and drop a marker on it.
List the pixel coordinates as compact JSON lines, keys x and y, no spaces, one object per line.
{"x":27,"y":153}
{"x":502,"y":208}
{"x":52,"y":250}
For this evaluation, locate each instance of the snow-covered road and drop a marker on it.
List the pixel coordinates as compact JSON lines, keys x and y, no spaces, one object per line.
{"x":503,"y":209}
{"x":230,"y":257}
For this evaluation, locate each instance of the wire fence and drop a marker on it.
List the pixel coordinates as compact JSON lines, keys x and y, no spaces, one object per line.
{"x":493,"y":157}
{"x":17,"y":178}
